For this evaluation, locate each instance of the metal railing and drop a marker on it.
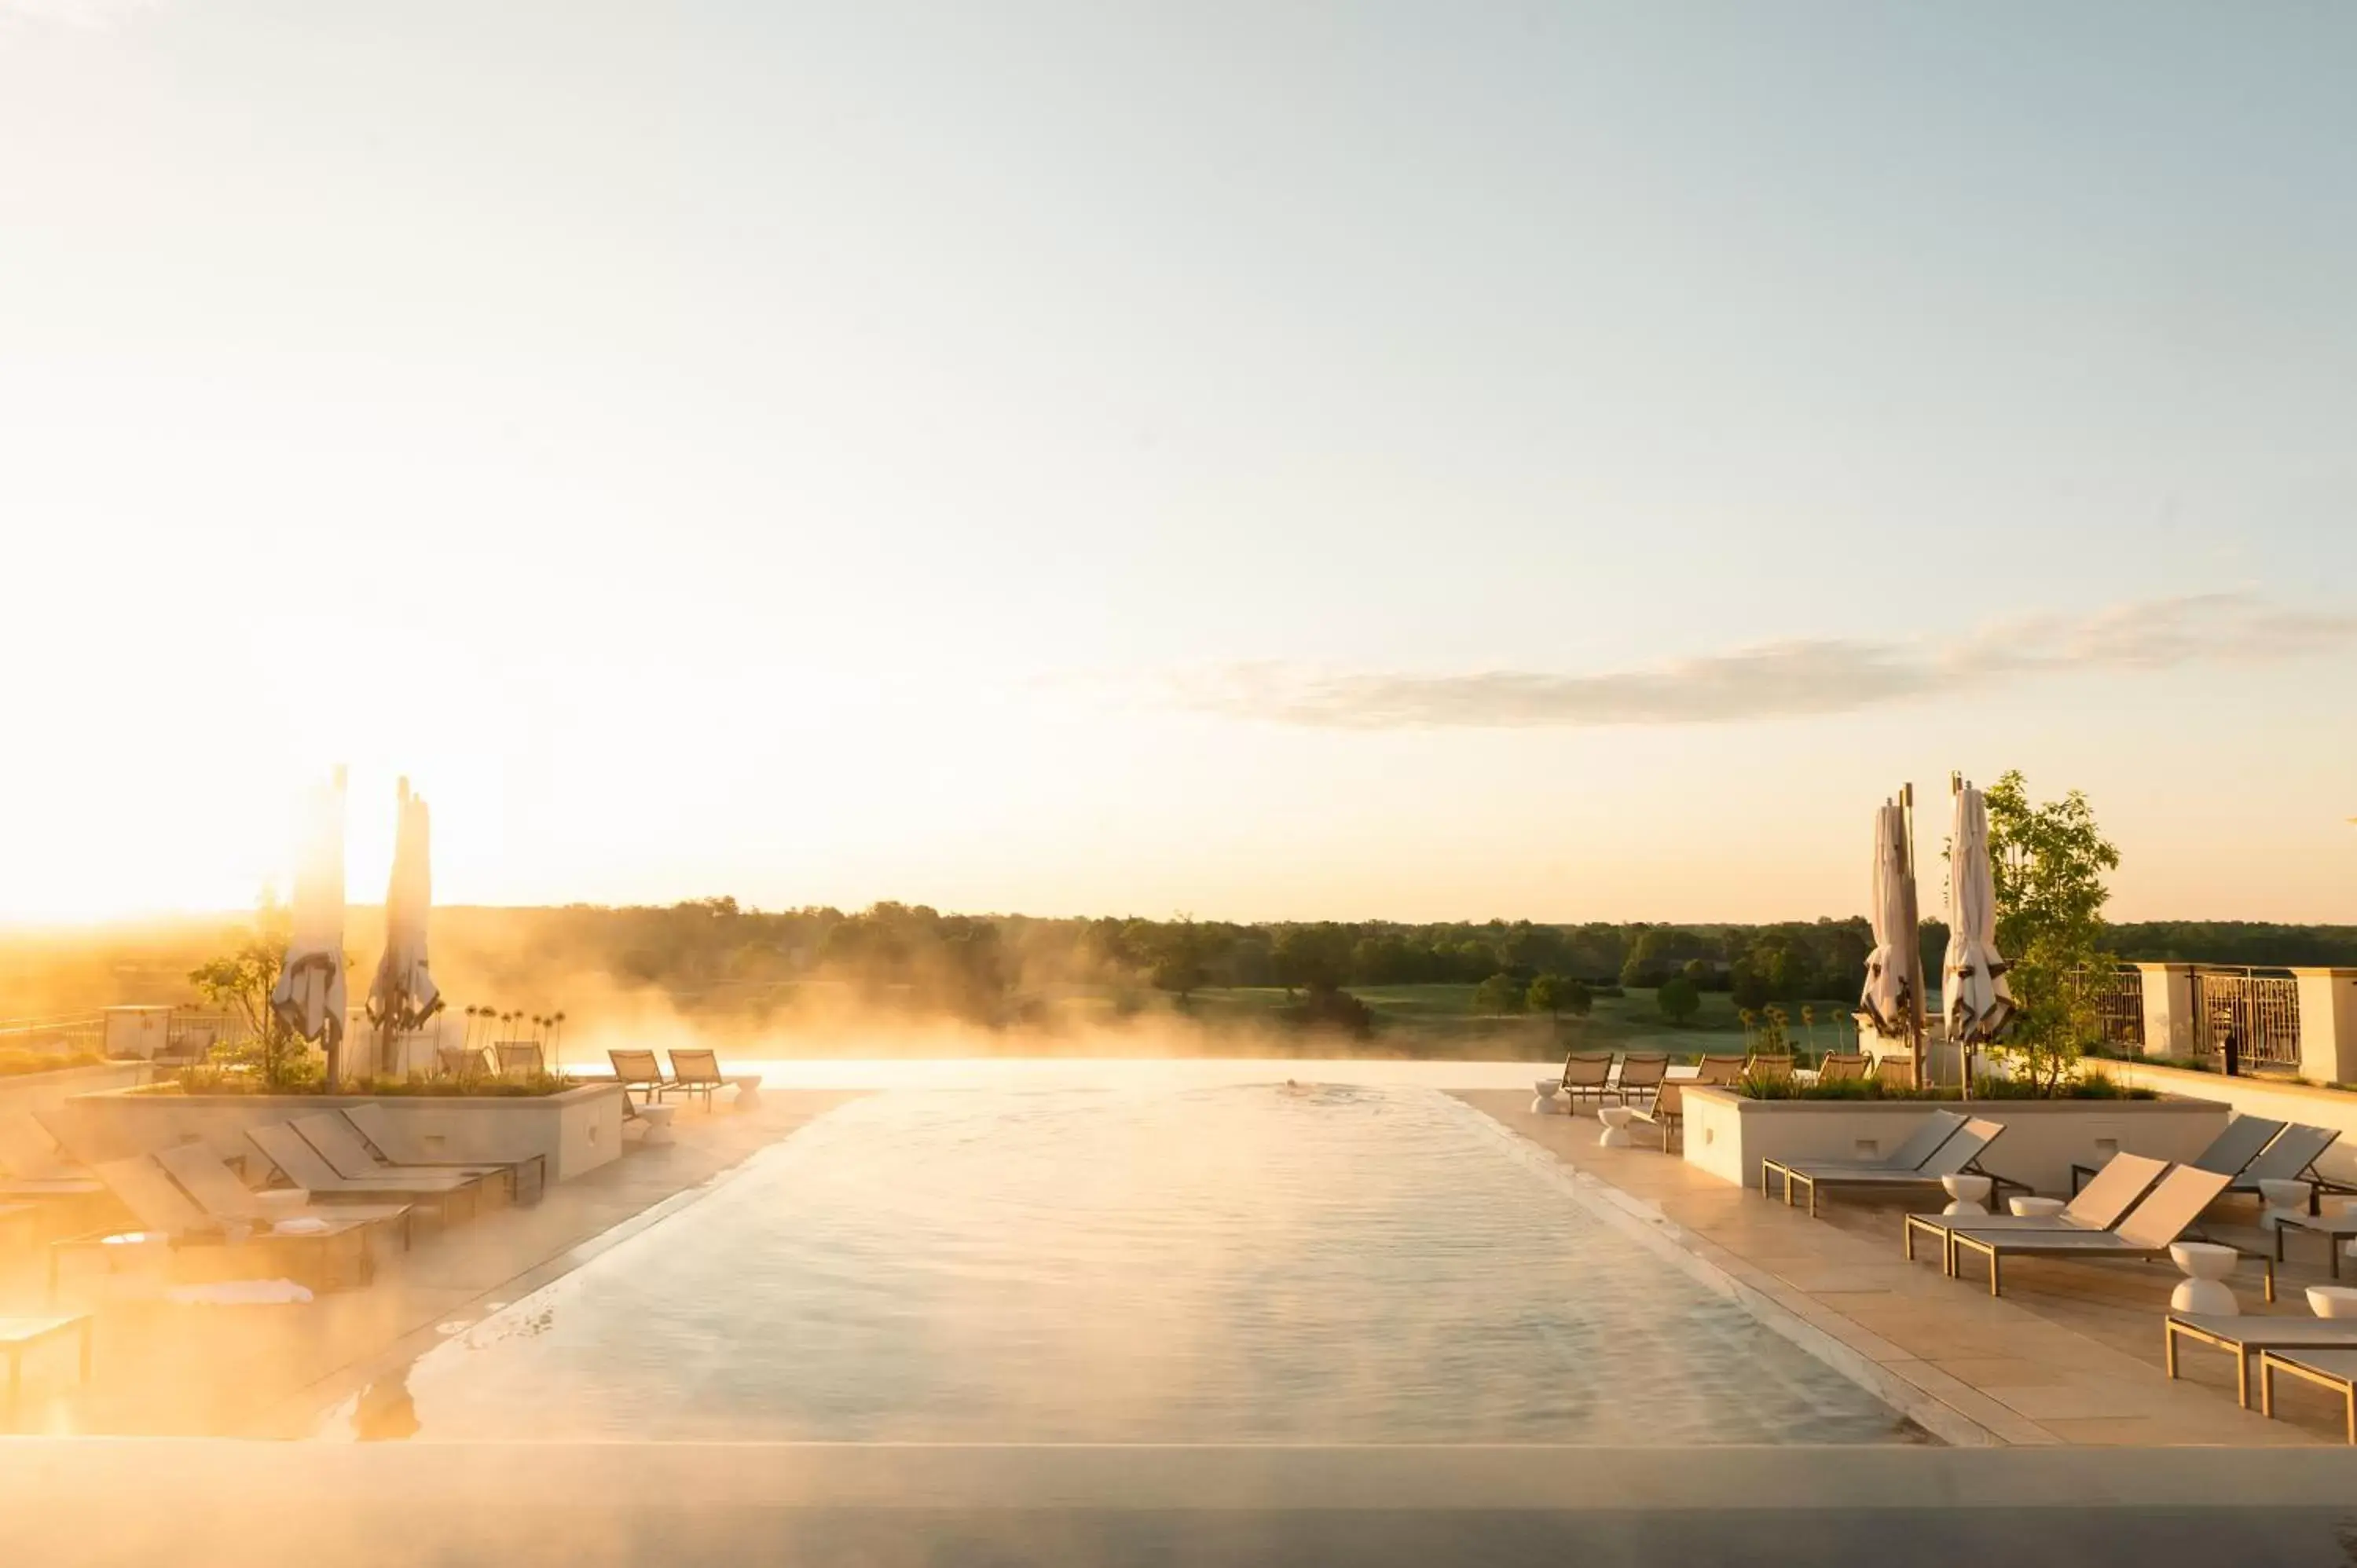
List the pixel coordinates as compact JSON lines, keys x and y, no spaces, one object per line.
{"x":2257,"y":1010}
{"x":81,"y":1033}
{"x":2119,"y":1002}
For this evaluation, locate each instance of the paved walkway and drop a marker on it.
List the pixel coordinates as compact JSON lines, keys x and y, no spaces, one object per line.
{"x":2070,"y":1354}
{"x":168,"y":1369}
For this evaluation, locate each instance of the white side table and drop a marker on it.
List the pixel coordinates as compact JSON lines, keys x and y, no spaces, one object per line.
{"x":657,"y":1119}
{"x":1967,"y":1194}
{"x":2203,"y":1290}
{"x":2282,"y":1197}
{"x":2035,"y":1207}
{"x":1546,"y":1090}
{"x":1615,"y":1126}
{"x":2332,"y":1300}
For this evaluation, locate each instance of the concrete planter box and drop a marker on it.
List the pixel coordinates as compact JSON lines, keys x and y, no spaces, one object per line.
{"x":576,"y":1130}
{"x":25,"y":1093}
{"x":1728,"y":1136}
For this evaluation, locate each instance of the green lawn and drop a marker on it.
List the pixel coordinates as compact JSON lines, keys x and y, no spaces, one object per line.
{"x":1439,"y":1020}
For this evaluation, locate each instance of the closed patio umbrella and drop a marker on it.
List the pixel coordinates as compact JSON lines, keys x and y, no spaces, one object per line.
{"x":1893,"y":996}
{"x":309,"y":997}
{"x":403,"y":994}
{"x":1973,"y":986}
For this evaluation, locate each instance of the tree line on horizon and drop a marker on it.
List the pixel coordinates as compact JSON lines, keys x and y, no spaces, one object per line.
{"x":706,"y":952}
{"x":982,"y":966}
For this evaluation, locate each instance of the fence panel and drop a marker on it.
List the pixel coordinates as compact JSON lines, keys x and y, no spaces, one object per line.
{"x":2259,"y":1012}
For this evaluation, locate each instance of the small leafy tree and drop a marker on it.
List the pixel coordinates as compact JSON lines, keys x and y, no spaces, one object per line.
{"x":1501,"y":993}
{"x":240,"y":982}
{"x":1678,"y":999}
{"x":2049,"y":861}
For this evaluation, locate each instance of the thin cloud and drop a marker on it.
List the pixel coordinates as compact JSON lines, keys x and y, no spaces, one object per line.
{"x":1783,"y":680}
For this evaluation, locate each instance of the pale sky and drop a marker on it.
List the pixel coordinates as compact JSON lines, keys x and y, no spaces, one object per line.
{"x":1265,"y":461}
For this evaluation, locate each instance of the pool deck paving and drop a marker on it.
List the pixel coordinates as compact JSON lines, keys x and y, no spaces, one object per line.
{"x":2070,"y":1354}
{"x":162,"y":1369}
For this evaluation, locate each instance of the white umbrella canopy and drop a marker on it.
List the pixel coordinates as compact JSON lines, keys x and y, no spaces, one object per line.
{"x":403,"y":994}
{"x":1972,"y":978}
{"x":309,"y":997}
{"x":1893,"y":996}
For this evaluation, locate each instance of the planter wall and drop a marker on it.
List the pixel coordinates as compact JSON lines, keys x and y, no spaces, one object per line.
{"x":2333,"y":1108}
{"x":576,"y":1130}
{"x":23,"y":1094}
{"x":1728,"y":1136}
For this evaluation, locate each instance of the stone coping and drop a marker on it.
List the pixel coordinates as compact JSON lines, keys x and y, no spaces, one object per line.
{"x":44,"y":1476}
{"x":2194,"y":1082}
{"x":150,"y":1096}
{"x":79,"y":1070}
{"x":2166,"y":1104}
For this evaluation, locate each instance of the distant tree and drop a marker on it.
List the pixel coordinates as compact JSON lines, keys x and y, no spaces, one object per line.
{"x":1750,"y":988}
{"x":1183,"y":951}
{"x":1678,"y":999}
{"x":1578,"y":999}
{"x":1313,"y":957}
{"x":1546,"y":995}
{"x":1541,"y":949}
{"x":1501,"y":993}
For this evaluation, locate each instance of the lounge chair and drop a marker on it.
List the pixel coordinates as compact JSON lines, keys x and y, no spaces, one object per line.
{"x":339,"y":1143}
{"x":1937,"y":1128}
{"x":639,"y":1072}
{"x":1958,"y":1154}
{"x":390,"y":1139}
{"x":2334,"y":1369}
{"x":2159,"y":1220}
{"x":1638,"y":1075}
{"x":204,"y":1175}
{"x":2291,"y":1156}
{"x":1720,"y":1070}
{"x":461,"y":1061}
{"x":1837,"y":1067}
{"x":304,"y":1166}
{"x":32,"y":1166}
{"x":167,"y":1214}
{"x":698,"y":1071}
{"x":2100,"y":1205}
{"x":1668,"y":1112}
{"x":1584,"y":1077}
{"x":1771,"y":1067}
{"x":521,"y":1058}
{"x":1893,"y":1072}
{"x":2228,"y":1153}
{"x":2246,"y":1335}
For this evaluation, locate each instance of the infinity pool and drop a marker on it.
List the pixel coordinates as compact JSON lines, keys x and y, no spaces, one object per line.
{"x":1217,"y":1265}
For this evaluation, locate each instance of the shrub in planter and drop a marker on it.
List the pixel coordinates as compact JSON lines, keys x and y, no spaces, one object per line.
{"x":2090,"y":1087}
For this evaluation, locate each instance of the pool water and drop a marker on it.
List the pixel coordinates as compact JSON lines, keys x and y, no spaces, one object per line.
{"x":1250,"y":1264}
